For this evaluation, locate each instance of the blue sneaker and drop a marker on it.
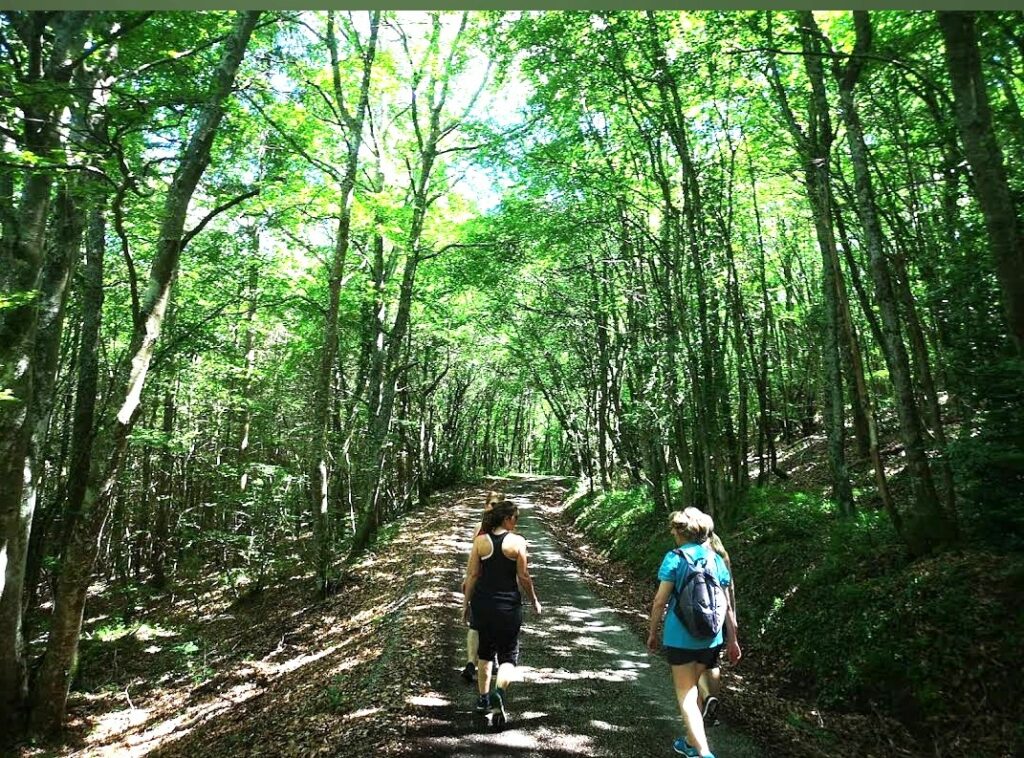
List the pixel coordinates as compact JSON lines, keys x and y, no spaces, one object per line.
{"x":483,"y":704}
{"x":683,"y":747}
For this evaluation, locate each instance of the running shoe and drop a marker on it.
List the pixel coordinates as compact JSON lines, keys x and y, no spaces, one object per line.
{"x":683,"y":747}
{"x":483,"y":704}
{"x":710,"y":709}
{"x":498,"y":714}
{"x":469,"y":673}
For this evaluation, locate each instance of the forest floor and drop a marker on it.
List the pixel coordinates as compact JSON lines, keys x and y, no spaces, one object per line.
{"x":373,"y":670}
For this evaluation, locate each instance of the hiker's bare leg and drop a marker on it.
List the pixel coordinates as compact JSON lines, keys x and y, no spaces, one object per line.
{"x":483,"y":677}
{"x":710,"y":685}
{"x":506,"y":673}
{"x":685,"y":679}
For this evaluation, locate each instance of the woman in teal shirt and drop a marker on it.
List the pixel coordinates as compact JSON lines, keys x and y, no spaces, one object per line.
{"x":688,"y":655}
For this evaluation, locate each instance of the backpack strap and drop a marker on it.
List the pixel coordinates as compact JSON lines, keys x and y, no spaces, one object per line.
{"x":681,"y":578}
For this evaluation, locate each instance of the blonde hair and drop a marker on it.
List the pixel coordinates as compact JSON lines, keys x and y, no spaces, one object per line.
{"x":718,"y":547}
{"x":708,"y":521}
{"x":493,"y":498}
{"x":692,"y":523}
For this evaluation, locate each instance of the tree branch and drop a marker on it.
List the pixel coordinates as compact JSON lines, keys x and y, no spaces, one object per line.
{"x":133,"y":276}
{"x":299,"y":150}
{"x":187,"y":237}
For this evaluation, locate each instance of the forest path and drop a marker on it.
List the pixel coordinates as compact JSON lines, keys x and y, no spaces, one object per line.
{"x":587,"y":684}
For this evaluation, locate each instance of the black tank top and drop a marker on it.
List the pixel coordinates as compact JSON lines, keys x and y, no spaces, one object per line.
{"x":498,"y":574}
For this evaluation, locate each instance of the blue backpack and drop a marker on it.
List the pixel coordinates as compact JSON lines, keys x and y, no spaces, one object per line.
{"x":700,"y":600}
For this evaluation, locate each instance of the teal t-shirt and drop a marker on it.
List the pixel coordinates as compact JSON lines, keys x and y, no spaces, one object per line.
{"x":675,"y":634}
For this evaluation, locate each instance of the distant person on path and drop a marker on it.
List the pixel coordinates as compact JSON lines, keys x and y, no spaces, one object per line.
{"x":498,"y":572}
{"x":691,"y":567}
{"x":472,"y":636}
{"x":710,"y":684}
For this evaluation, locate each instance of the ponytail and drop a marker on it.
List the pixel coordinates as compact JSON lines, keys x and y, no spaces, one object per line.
{"x":501,"y":511}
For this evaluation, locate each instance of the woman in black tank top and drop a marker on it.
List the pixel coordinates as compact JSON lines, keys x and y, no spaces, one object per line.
{"x":497,"y":584}
{"x":498,"y":575}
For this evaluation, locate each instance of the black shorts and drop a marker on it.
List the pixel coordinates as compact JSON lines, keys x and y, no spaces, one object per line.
{"x":470,"y":620}
{"x":678,"y":656}
{"x":499,"y":632}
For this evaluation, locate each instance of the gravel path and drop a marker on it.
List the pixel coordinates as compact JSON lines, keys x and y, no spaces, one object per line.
{"x":588,"y":685}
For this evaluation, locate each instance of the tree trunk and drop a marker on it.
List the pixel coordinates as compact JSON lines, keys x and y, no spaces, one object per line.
{"x":437,"y":72}
{"x":21,"y":269}
{"x":816,"y":179}
{"x":164,"y":493}
{"x":52,"y":298}
{"x":929,"y":526}
{"x":51,"y":690}
{"x":974,"y":119}
{"x":250,"y":368}
{"x":815,"y":149}
{"x":319,"y":471}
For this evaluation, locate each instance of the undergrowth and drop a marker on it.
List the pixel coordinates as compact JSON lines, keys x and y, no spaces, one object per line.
{"x":625,"y":524}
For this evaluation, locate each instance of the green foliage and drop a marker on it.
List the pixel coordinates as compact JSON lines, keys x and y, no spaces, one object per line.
{"x":112,"y":640}
{"x":616,"y":246}
{"x":386,"y":534}
{"x":844,"y":614}
{"x":10,"y":300}
{"x":337,"y":697}
{"x":988,"y":463}
{"x":193,"y":659}
{"x":797,"y":515}
{"x":114,"y":631}
{"x":625,"y":523}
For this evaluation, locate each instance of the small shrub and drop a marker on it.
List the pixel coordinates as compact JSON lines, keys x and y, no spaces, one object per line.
{"x":195,"y":665}
{"x":114,"y":631}
{"x":336,"y":698}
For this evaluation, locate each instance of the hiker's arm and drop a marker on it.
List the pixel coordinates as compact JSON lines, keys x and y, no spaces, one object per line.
{"x":732,"y":629}
{"x":472,"y":541}
{"x":732,"y":593}
{"x":657,"y":612}
{"x":472,"y":573}
{"x":525,"y":580}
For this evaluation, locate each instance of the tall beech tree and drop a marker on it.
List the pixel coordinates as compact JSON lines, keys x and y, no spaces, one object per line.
{"x":814,"y":144}
{"x":44,"y":49}
{"x":981,"y":146}
{"x":929,"y":525}
{"x":54,"y":678}
{"x":322,"y":401}
{"x":431,"y":85}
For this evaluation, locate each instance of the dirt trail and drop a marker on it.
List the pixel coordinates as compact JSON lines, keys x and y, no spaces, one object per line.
{"x":588,"y":685}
